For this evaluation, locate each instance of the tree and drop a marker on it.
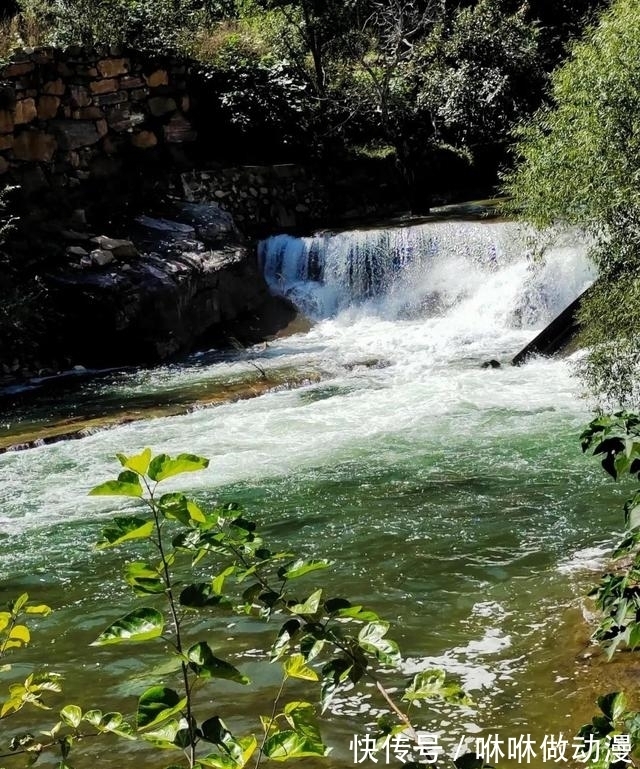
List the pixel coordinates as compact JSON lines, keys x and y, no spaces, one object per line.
{"x":578,"y":163}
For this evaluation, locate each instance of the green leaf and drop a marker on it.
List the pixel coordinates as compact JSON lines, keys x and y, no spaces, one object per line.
{"x":139,"y":625}
{"x":138,"y":464}
{"x":156,"y":705}
{"x":71,"y":715}
{"x":201,"y":595}
{"x":143,"y":578}
{"x":310,"y":606}
{"x":166,"y":736}
{"x":295,"y":667}
{"x":432,"y":684}
{"x":235,"y":757}
{"x":41,"y":609}
{"x":206,"y":665}
{"x":163,"y":466}
{"x":288,"y":744}
{"x":302,"y":717}
{"x":371,"y":638}
{"x":301,"y":567}
{"x":123,"y":528}
{"x":127,"y":485}
{"x":613,"y":705}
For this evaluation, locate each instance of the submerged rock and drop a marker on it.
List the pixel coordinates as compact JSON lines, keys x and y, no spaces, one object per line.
{"x":493,"y":363}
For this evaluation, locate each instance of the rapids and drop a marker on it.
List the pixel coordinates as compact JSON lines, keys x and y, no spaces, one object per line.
{"x":453,"y":499}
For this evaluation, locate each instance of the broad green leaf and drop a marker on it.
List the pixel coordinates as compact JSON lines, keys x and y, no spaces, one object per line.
{"x":163,"y":466}
{"x":18,"y":603}
{"x":143,"y":578}
{"x":432,"y":684}
{"x":41,"y":609}
{"x":247,"y":746}
{"x":5,"y":619}
{"x":206,"y":665}
{"x":93,"y":717}
{"x":371,"y":638}
{"x":301,"y":567}
{"x":71,"y":715}
{"x":217,"y":583}
{"x":124,"y":528}
{"x":295,"y":667}
{"x":357,"y":613}
{"x":166,"y":736}
{"x":310,"y":606}
{"x":127,"y":485}
{"x":202,"y":595}
{"x":138,"y":464}
{"x":158,"y":704}
{"x":215,"y":731}
{"x":302,"y":717}
{"x":139,"y":625}
{"x":20,"y":634}
{"x":288,"y":744}
{"x":613,"y":705}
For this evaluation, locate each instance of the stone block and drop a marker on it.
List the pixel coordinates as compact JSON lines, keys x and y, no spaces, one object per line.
{"x":6,"y":141}
{"x":48,"y":107}
{"x":79,"y":96}
{"x":130,"y":81}
{"x":6,"y":121}
{"x":144,"y":140}
{"x":103,"y":86}
{"x":25,"y":111}
{"x":34,"y":146}
{"x":185,"y":103}
{"x":73,"y":134}
{"x":113,"y":67}
{"x":157,"y":78}
{"x":121,"y":249}
{"x":101,"y":258}
{"x":160,"y":105}
{"x":102,"y":127}
{"x":17,"y":70}
{"x":7,"y":97}
{"x":54,"y":87}
{"x":4,"y":166}
{"x":179,"y":129}
{"x":120,"y":97}
{"x":125,"y":117}
{"x":88,"y":113}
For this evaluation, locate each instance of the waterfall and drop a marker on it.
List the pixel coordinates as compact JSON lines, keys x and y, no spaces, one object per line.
{"x":432,"y":269}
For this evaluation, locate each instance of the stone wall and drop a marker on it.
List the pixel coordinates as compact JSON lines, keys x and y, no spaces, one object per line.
{"x":67,"y":115}
{"x":260,"y":197}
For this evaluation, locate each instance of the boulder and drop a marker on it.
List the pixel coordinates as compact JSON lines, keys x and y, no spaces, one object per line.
{"x":25,"y":111}
{"x":34,"y":146}
{"x":121,"y":249}
{"x":101,"y":257}
{"x":113,"y":67}
{"x":73,"y":134}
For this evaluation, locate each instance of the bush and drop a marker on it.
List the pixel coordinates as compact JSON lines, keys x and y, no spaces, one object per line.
{"x":579,"y":164}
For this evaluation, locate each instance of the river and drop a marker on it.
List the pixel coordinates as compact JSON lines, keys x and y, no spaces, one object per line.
{"x":453,"y":499}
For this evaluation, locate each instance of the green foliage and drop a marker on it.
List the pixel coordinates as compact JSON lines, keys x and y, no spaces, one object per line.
{"x":616,"y":440}
{"x":482,"y":72}
{"x":579,"y":164}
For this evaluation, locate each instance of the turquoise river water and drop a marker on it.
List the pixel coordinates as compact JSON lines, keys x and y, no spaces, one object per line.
{"x":453,"y":499}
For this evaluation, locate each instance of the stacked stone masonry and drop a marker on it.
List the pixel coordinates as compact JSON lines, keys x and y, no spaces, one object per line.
{"x":60,"y":110}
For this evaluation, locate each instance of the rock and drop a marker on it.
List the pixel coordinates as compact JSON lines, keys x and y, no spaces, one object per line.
{"x":161,"y":105}
{"x":79,"y":96}
{"x":166,"y":228}
{"x":6,"y":141}
{"x":76,"y":133}
{"x":48,"y":107}
{"x":25,"y":111}
{"x":4,"y":166}
{"x":113,"y":67}
{"x":35,"y":146}
{"x":121,"y":249}
{"x":102,"y":258}
{"x":77,"y":252}
{"x":179,"y":129}
{"x":492,"y":364}
{"x":54,"y":88}
{"x":130,"y":81}
{"x":15,"y":70}
{"x":75,"y":237}
{"x":157,"y":78}
{"x":6,"y":121}
{"x":78,"y":218}
{"x":86,"y":262}
{"x":125,"y":117}
{"x":211,"y":223}
{"x":144,"y":139}
{"x":103,"y":86}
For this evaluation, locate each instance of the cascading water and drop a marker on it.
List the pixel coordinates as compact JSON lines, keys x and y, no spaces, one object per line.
{"x":452,"y":499}
{"x":430,"y":270}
